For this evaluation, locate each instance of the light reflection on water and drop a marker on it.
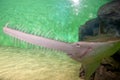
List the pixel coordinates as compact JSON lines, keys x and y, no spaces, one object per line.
{"x":76,"y":5}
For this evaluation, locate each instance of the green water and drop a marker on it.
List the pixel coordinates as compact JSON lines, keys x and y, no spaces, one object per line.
{"x":56,"y":19}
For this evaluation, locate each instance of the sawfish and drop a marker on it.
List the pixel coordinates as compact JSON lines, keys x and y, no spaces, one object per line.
{"x":89,"y":54}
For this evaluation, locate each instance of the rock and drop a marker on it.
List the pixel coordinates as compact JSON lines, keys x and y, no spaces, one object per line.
{"x":90,"y":28}
{"x":108,"y":70}
{"x":107,"y":22}
{"x":109,"y":17}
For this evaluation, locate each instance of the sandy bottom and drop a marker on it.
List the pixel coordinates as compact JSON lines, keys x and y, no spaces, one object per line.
{"x":34,"y":64}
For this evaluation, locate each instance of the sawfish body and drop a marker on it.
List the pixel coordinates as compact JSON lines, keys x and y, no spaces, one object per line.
{"x":89,"y":54}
